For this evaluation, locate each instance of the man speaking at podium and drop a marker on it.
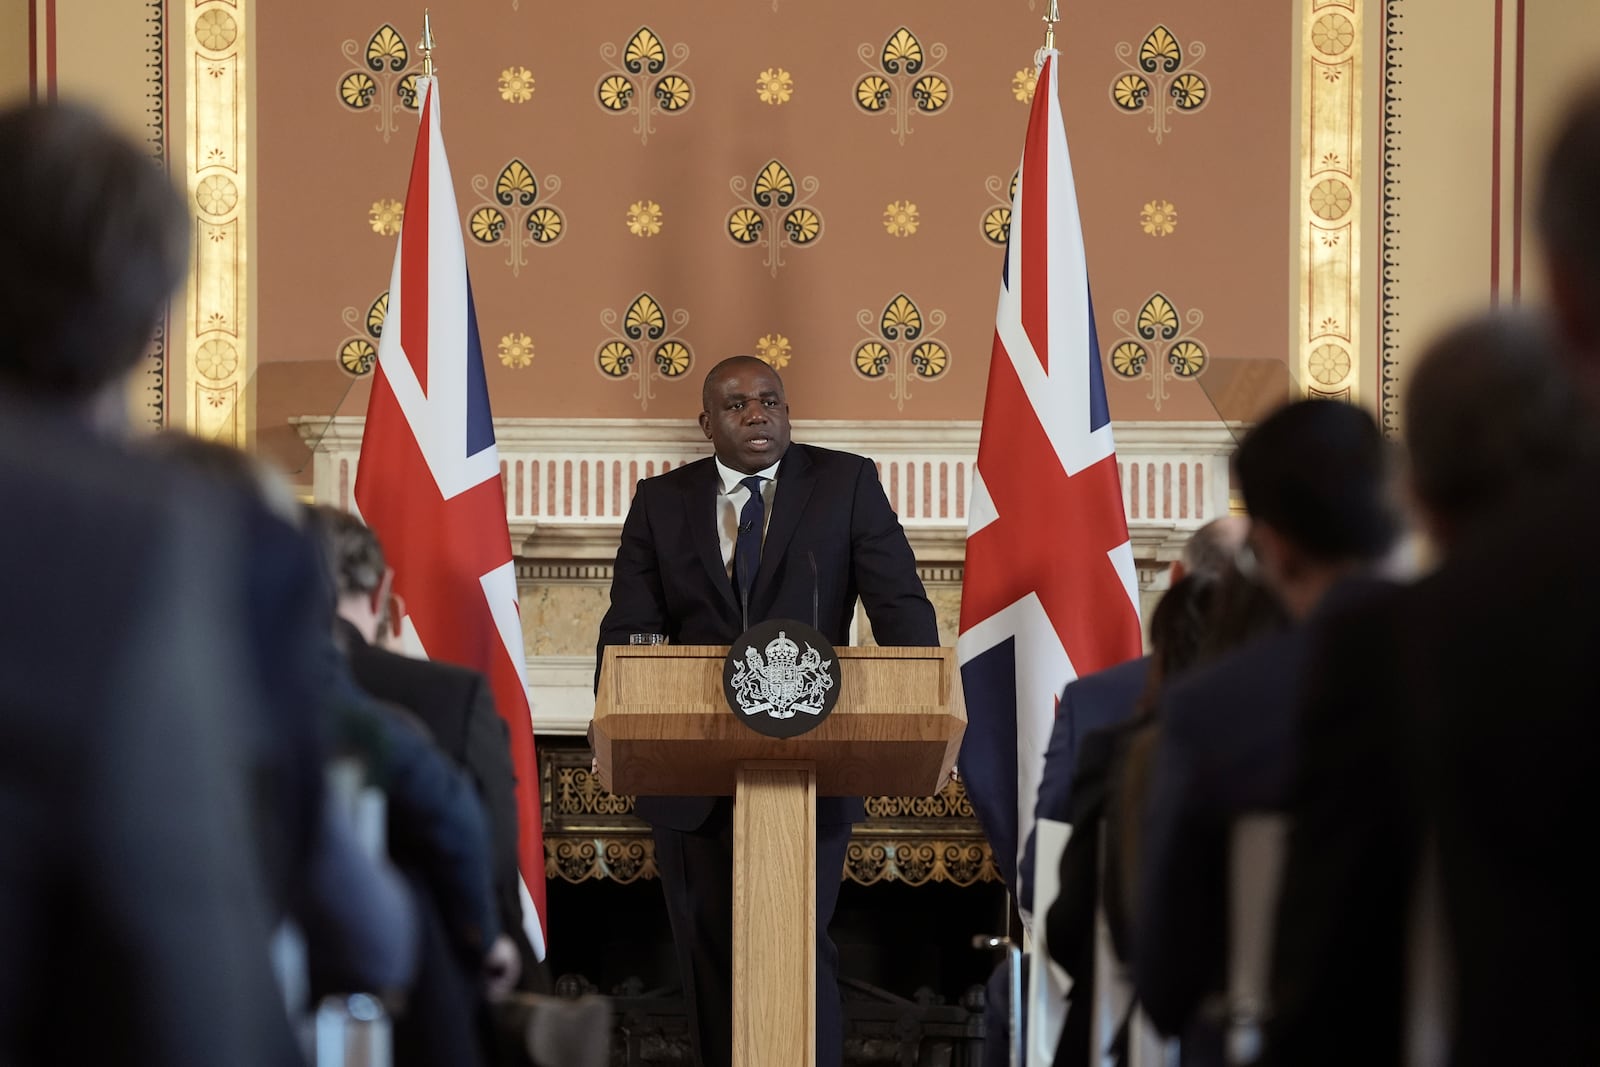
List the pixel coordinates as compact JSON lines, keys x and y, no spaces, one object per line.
{"x":762,"y":530}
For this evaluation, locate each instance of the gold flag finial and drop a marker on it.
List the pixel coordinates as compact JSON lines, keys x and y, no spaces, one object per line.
{"x":425,"y":46}
{"x":1051,"y":17}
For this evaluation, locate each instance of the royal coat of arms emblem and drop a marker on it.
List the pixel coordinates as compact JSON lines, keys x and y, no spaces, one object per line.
{"x":781,"y":677}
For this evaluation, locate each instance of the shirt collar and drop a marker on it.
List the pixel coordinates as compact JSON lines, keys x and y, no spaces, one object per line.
{"x":731,"y":478}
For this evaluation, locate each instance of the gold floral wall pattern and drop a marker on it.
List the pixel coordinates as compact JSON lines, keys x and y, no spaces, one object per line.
{"x":359,"y":352}
{"x":380,"y":83}
{"x":901,"y":346}
{"x":644,"y":83}
{"x":514,"y":210}
{"x":762,"y":188}
{"x":776,"y":214}
{"x":903,"y":80}
{"x":643,"y":346}
{"x":995,"y":225}
{"x":1156,"y":345}
{"x":1159,"y":77}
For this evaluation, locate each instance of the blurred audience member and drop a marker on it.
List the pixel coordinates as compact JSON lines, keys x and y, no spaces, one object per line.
{"x":134,"y":914}
{"x":454,"y":703}
{"x":1315,"y":481}
{"x":1407,"y":698}
{"x":1176,"y":628}
{"x":360,"y":927}
{"x":1489,"y":412}
{"x":1091,"y":703}
{"x":1107,"y":697}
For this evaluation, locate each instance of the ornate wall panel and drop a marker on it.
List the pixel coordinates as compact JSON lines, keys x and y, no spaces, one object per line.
{"x":216,"y":327}
{"x":1329,"y":316}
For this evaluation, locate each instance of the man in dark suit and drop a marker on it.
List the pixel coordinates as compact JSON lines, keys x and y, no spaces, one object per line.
{"x":695,"y":567}
{"x":1315,"y":481}
{"x":454,"y":703}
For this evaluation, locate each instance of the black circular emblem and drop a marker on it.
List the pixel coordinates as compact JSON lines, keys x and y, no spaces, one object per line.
{"x":781,"y":678}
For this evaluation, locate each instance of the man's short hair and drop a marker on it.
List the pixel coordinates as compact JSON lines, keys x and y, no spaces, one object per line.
{"x":1317,"y":472}
{"x":354,"y":555}
{"x":1488,"y":408}
{"x":1568,"y":223}
{"x":716,"y":372}
{"x":94,"y":238}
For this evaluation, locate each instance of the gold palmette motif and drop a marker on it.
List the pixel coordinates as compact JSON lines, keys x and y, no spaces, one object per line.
{"x":900,"y":346}
{"x":902,"y":80}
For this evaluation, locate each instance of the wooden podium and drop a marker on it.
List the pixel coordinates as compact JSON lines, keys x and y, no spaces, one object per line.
{"x":662,"y":727}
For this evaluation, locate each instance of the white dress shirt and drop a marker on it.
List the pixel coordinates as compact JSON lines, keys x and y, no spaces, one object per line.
{"x":731,"y":501}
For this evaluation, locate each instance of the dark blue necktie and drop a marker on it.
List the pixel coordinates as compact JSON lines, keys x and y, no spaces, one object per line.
{"x":747,"y":549}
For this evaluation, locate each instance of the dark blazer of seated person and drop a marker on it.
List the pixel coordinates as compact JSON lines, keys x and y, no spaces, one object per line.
{"x":457,"y":707}
{"x":1093,"y":702}
{"x":1176,"y":629}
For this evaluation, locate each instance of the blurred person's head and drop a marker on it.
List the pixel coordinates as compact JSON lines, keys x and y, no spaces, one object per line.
{"x":1488,"y":409}
{"x":94,"y":239}
{"x":1177,"y":628}
{"x":1570,"y":231}
{"x":1212,"y":549}
{"x":361,"y":575}
{"x":241,"y":472}
{"x":1315,"y":480}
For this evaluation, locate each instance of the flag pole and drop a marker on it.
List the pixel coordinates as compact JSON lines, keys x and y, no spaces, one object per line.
{"x":1051,"y":16}
{"x":425,"y":46}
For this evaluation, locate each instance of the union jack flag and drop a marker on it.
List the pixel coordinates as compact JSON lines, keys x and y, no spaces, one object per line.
{"x":1049,"y":592}
{"x":428,"y":482}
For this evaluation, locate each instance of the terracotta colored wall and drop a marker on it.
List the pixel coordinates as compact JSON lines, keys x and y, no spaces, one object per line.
{"x":323,"y":167}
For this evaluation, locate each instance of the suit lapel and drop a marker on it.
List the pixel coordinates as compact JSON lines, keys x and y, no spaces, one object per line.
{"x":701,"y":507}
{"x":796,"y":478}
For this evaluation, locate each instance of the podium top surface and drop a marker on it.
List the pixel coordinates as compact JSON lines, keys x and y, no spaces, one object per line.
{"x":662,"y":726}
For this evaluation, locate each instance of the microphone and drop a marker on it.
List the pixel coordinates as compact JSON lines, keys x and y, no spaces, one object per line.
{"x":744,"y":527}
{"x":812,"y":558}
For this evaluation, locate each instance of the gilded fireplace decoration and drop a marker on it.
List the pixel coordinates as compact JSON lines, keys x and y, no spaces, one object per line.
{"x":590,"y":833}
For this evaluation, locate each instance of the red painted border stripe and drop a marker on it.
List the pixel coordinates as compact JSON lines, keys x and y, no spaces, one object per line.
{"x":1516,"y":174}
{"x":414,"y":250}
{"x":33,"y":51}
{"x":50,"y":48}
{"x":1494,"y":172}
{"x":1035,"y":275}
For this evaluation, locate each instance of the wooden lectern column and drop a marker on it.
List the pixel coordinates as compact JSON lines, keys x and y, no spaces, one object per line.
{"x":775,"y":915}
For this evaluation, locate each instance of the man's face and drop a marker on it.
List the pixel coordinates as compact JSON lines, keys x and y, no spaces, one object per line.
{"x":746,"y":417}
